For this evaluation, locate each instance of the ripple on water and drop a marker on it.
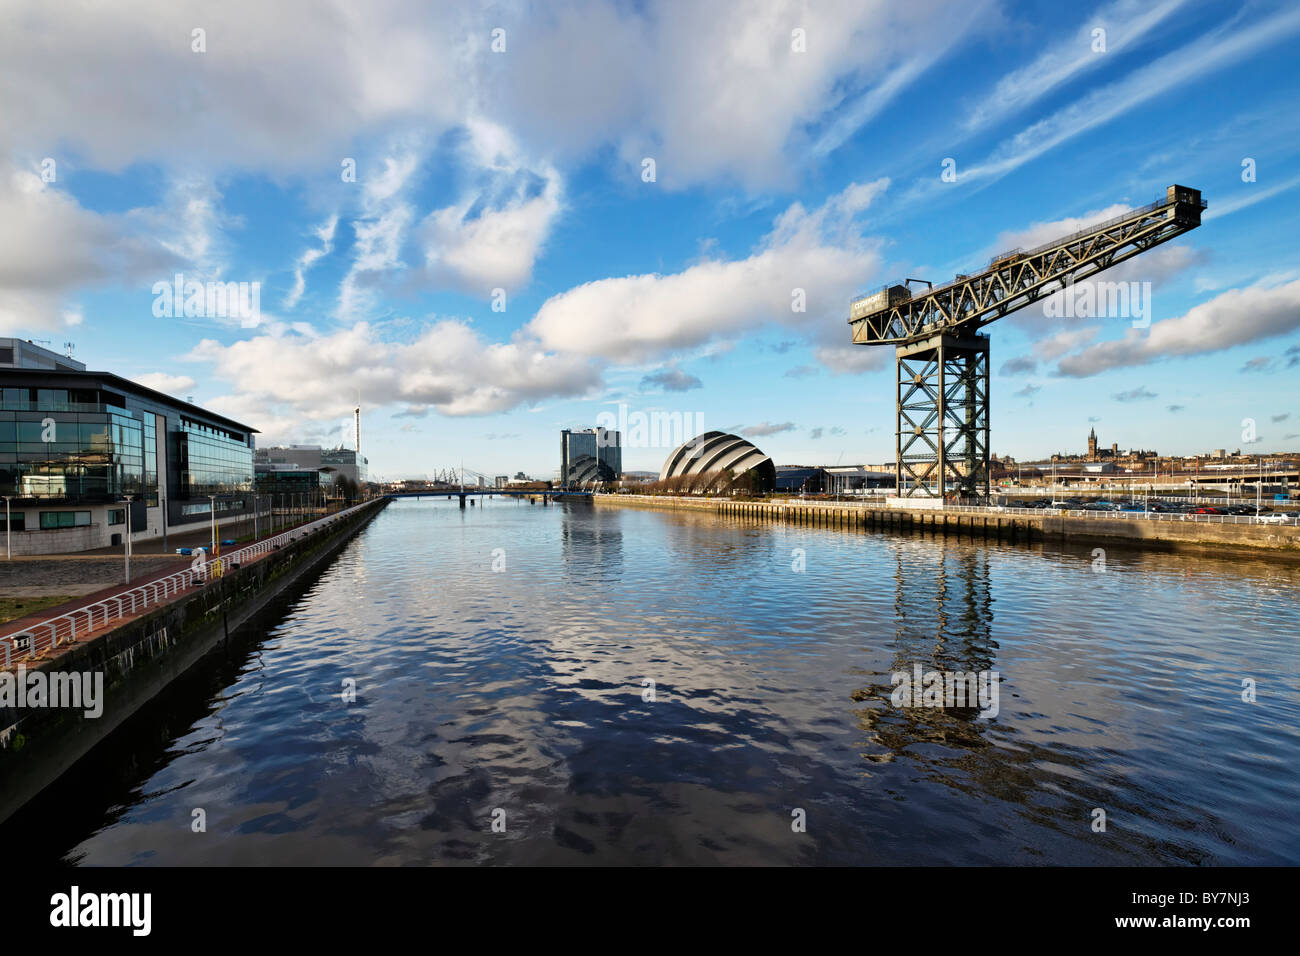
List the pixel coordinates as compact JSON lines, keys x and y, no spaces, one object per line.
{"x":526,"y":691}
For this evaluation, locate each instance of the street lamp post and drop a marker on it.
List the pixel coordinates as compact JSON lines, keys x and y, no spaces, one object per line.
{"x":212,"y":522}
{"x":9,"y":532}
{"x":126,"y":512}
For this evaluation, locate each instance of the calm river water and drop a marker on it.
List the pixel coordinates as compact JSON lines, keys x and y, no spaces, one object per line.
{"x":519,"y":696}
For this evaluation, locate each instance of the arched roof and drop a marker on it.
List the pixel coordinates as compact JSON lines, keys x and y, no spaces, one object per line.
{"x":715,"y":451}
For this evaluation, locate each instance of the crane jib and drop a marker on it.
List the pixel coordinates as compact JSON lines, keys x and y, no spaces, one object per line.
{"x":1015,"y":279}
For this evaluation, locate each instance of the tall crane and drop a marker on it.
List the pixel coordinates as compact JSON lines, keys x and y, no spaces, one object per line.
{"x":942,"y":359}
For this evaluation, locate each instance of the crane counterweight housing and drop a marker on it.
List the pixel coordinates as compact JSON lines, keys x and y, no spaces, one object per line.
{"x":942,"y":359}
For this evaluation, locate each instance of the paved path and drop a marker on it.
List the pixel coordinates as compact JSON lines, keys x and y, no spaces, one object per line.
{"x":47,"y":575}
{"x":29,"y":569}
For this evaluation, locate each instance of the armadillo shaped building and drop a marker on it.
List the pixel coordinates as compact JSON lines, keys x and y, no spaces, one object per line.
{"x":721,"y":454}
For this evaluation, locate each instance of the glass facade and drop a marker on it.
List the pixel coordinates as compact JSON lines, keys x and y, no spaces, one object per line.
{"x":150,"y":461}
{"x":64,"y":519}
{"x":213,"y":461}
{"x":590,"y":456}
{"x":66,"y":443}
{"x":102,"y":438}
{"x":292,"y":482}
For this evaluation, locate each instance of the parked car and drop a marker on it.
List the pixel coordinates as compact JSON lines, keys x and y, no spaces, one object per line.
{"x":1205,"y":510}
{"x":185,"y":551}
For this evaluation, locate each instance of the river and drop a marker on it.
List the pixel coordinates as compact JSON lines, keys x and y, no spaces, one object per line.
{"x":576,"y":684}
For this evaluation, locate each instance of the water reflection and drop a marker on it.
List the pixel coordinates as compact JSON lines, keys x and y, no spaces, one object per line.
{"x":770,"y":651}
{"x":943,"y":622}
{"x":592,"y":542}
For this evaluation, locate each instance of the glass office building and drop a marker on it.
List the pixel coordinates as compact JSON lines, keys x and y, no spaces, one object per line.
{"x":75,"y":444}
{"x":590,"y":457}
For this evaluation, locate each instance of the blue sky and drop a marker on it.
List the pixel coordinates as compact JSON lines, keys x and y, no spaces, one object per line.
{"x":795,"y":145}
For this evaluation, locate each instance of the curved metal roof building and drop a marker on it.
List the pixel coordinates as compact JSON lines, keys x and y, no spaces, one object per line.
{"x":586,"y":471}
{"x":719,"y":452}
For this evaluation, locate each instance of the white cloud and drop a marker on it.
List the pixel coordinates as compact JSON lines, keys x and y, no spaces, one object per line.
{"x":175,"y":385}
{"x":596,"y":73}
{"x":1206,"y":54}
{"x":1038,"y":233}
{"x":1066,"y":340}
{"x":380,"y":232}
{"x":449,"y":367}
{"x":853,"y":359}
{"x":914,"y":58}
{"x":765,"y":429}
{"x":493,"y":236}
{"x":297,"y":84}
{"x":640,"y":318}
{"x":1235,"y":317}
{"x":325,"y":233}
{"x":281,"y":86}
{"x":293,"y":88}
{"x":1252,"y":193}
{"x":1125,"y":23}
{"x":50,"y":247}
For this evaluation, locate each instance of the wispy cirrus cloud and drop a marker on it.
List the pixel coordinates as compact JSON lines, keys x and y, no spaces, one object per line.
{"x":1125,"y":23}
{"x":1244,"y":34}
{"x":325,"y":234}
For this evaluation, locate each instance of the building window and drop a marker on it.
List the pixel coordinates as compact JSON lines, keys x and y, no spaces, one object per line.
{"x":18,"y":522}
{"x":117,"y":516}
{"x":64,"y":519}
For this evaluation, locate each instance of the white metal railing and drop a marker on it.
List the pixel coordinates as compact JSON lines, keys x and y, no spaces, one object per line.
{"x":1127,"y":515}
{"x":33,"y":641}
{"x":1052,"y":510}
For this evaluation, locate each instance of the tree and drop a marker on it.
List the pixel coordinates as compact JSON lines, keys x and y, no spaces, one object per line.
{"x":347,"y":488}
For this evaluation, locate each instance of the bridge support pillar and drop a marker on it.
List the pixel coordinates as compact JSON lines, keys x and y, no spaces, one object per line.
{"x":462,"y":501}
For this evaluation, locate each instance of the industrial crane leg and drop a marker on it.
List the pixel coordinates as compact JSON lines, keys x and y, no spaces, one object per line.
{"x":942,"y":441}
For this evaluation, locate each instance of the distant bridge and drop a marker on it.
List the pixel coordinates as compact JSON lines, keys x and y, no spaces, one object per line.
{"x":466,"y":483}
{"x":466,"y":493}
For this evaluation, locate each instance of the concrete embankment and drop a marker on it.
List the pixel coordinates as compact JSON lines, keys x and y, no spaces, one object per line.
{"x":1281,"y":541}
{"x":140,"y":658}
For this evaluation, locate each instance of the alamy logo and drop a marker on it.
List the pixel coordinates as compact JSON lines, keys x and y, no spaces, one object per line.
{"x":208,"y":300}
{"x":655,"y":429}
{"x":82,"y":691}
{"x":74,"y":908}
{"x":1101,"y":300}
{"x":945,"y":689}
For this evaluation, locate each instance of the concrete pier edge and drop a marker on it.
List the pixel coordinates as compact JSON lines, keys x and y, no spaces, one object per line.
{"x":1262,"y":541}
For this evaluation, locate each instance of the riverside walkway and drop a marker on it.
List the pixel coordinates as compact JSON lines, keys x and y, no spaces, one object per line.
{"x":52,"y":631}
